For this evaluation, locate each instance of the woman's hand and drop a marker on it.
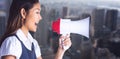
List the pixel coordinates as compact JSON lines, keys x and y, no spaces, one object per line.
{"x":64,"y":42}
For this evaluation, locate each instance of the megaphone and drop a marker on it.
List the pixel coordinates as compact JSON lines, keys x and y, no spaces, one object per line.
{"x":66,"y":26}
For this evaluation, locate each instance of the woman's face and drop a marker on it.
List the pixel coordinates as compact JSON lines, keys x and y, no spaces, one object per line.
{"x":33,"y":17}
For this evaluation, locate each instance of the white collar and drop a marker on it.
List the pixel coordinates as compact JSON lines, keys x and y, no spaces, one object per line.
{"x":22,"y":36}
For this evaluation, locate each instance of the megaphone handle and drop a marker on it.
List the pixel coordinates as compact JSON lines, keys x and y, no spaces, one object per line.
{"x":62,"y":40}
{"x":63,"y":46}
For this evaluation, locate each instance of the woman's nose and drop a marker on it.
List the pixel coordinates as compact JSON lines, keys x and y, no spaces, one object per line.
{"x":40,"y":17}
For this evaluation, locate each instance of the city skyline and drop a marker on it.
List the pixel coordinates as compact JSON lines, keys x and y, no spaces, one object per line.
{"x":75,"y":1}
{"x":109,"y":3}
{"x":79,"y":0}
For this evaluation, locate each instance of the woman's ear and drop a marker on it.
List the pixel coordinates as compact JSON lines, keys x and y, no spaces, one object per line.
{"x":23,"y":13}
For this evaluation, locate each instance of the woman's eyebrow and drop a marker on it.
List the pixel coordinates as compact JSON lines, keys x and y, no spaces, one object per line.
{"x":38,"y":9}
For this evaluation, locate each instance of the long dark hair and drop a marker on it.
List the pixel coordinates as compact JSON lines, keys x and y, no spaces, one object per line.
{"x":15,"y":19}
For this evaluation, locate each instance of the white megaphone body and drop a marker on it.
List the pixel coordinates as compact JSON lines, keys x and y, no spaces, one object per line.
{"x":66,"y":26}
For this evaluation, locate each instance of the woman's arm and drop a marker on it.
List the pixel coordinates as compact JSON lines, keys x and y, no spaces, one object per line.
{"x":8,"y":57}
{"x":61,"y":50}
{"x":59,"y":54}
{"x":13,"y":57}
{"x":39,"y":57}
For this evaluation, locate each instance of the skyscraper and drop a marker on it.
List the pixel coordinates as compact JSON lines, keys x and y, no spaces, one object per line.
{"x":64,"y":12}
{"x":111,"y":19}
{"x":98,"y":21}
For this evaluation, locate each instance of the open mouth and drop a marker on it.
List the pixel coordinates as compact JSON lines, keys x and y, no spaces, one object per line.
{"x":36,"y":24}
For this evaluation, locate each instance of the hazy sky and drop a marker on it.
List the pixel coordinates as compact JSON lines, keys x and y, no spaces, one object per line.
{"x":110,"y":3}
{"x":80,"y":0}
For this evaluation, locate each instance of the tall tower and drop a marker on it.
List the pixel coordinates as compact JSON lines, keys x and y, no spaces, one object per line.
{"x":98,"y":21}
{"x":65,"y":12}
{"x":111,"y":19}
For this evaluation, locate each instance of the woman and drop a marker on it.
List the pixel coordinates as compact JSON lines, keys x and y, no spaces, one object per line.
{"x":17,"y":42}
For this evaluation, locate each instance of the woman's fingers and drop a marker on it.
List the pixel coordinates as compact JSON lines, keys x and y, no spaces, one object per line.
{"x":65,"y":42}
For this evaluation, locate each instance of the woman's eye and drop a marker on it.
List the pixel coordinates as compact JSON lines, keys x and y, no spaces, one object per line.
{"x":38,"y":12}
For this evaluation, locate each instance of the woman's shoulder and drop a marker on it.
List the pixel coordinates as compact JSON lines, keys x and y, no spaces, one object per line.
{"x":11,"y":41}
{"x":35,"y":41}
{"x":11,"y":46}
{"x":37,"y":48}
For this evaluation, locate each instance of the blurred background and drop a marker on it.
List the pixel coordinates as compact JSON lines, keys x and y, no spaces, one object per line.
{"x":104,"y":41}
